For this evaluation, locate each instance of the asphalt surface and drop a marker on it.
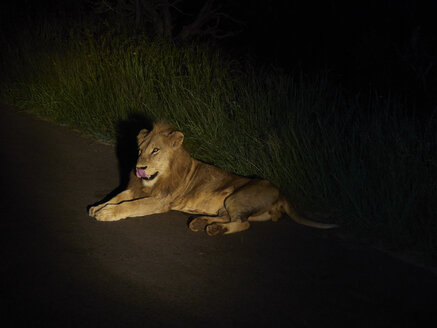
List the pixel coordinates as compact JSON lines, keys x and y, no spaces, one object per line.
{"x":61,"y":268}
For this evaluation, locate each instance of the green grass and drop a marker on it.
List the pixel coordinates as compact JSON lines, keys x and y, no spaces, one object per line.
{"x":372,"y":168}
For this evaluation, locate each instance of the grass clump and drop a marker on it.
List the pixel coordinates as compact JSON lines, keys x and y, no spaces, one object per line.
{"x":372,"y":167}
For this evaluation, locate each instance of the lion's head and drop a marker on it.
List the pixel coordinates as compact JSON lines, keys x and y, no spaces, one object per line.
{"x":156,"y":152}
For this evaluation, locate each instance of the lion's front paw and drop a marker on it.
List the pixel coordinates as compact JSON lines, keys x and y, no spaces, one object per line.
{"x":107,"y":213}
{"x":92,"y":211}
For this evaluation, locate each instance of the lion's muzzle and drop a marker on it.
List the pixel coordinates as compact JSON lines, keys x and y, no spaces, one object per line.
{"x":141,"y":173}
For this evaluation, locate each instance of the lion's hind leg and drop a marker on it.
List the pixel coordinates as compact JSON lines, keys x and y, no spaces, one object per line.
{"x":216,"y":229}
{"x":273,"y":214}
{"x":200,"y":223}
{"x":266,"y":216}
{"x":253,"y":202}
{"x":239,"y":225}
{"x":217,"y":225}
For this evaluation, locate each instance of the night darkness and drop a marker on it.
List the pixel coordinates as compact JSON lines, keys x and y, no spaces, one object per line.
{"x":380,"y":44}
{"x":334,"y":102}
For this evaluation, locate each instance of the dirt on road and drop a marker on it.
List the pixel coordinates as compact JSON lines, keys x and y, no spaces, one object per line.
{"x":61,"y":268}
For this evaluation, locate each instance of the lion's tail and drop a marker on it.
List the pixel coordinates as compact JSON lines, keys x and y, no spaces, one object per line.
{"x":291,"y":212}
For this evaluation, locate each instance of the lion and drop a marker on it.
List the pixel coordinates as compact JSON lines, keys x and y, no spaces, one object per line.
{"x":167,"y":178}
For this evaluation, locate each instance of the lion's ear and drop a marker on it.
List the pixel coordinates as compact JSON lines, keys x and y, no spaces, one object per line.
{"x":142,"y":134}
{"x":176,"y":138}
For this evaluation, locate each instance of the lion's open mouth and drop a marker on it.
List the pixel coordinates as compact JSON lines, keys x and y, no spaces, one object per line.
{"x":141,"y":174}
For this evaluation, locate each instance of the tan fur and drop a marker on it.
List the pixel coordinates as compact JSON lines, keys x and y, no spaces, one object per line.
{"x":225,"y":201}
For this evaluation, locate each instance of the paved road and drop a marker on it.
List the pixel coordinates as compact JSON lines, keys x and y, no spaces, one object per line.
{"x":60,"y":268}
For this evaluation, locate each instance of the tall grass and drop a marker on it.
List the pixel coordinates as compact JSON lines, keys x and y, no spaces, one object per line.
{"x":373,"y":168}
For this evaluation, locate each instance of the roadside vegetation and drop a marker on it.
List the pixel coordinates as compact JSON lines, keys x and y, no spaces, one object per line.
{"x":368,"y":163}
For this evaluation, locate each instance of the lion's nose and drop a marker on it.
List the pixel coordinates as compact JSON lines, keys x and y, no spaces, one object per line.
{"x":141,"y":167}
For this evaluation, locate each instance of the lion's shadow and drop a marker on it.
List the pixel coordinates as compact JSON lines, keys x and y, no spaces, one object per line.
{"x":126,"y":150}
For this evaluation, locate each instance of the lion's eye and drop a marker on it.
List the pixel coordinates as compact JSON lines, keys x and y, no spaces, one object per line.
{"x":155,"y":150}
{"x":139,"y":152}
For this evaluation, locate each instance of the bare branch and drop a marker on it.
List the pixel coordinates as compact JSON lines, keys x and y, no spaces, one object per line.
{"x":207,"y":22}
{"x":205,"y":14}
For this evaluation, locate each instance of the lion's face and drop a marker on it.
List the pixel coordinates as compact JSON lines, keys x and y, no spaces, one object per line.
{"x":155,"y":152}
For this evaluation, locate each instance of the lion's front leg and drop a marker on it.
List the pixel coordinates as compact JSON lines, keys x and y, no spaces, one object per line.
{"x":131,"y":208}
{"x":123,"y":196}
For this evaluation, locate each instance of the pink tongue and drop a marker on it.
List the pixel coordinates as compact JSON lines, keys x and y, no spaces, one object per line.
{"x":142,"y":174}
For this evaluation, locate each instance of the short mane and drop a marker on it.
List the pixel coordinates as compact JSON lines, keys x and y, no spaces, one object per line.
{"x":162,"y":128}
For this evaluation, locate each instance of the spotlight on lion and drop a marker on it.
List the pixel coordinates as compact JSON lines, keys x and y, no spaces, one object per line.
{"x":167,"y":178}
